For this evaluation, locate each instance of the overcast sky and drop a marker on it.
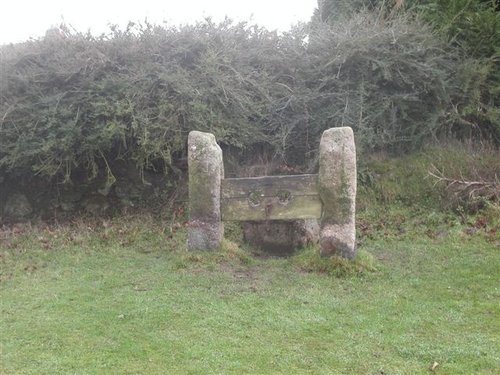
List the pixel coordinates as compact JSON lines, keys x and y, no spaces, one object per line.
{"x":24,"y":19}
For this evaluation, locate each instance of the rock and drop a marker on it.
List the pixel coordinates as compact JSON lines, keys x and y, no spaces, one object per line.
{"x":282,"y":237}
{"x":206,"y":170}
{"x":128,"y":193}
{"x":338,"y":240}
{"x":69,"y":199}
{"x":96,"y":205}
{"x":17,"y":208}
{"x":337,"y":190}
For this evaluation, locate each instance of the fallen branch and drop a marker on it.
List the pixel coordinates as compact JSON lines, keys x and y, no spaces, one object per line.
{"x":468,"y":190}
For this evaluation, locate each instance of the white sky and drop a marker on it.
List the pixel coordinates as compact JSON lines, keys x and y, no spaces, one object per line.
{"x":24,"y":19}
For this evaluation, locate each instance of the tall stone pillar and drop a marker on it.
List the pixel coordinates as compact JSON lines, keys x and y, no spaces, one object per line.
{"x":337,"y":190}
{"x":206,"y":170}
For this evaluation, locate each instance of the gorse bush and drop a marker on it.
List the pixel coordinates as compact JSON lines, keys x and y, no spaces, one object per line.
{"x":389,"y":81}
{"x":471,"y":28}
{"x":72,"y":104}
{"x":473,"y":25}
{"x":72,"y":100}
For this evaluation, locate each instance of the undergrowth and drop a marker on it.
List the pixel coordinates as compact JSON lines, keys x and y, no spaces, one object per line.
{"x":411,"y":180}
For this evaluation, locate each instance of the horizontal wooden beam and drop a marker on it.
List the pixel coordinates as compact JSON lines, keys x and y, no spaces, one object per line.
{"x":270,"y":198}
{"x":269,"y":186}
{"x":299,"y":207}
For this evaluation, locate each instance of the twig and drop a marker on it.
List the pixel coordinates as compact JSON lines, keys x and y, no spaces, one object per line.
{"x":471,"y":189}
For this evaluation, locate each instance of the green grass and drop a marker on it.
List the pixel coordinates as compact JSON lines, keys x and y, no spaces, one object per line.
{"x":124,"y":297}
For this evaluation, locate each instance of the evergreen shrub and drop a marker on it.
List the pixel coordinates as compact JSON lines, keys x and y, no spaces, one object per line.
{"x":72,"y":104}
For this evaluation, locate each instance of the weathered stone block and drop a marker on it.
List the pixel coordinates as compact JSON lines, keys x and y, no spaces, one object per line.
{"x":206,"y":170}
{"x":279,"y":236}
{"x":337,"y":190}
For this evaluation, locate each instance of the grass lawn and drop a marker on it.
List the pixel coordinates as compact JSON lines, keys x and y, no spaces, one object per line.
{"x":124,"y":297}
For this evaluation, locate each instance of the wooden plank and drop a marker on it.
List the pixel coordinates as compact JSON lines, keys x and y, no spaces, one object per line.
{"x":269,"y":186}
{"x":270,"y":208}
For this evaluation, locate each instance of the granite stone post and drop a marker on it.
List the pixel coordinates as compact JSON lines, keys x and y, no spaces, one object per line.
{"x":337,"y":190}
{"x":206,"y":170}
